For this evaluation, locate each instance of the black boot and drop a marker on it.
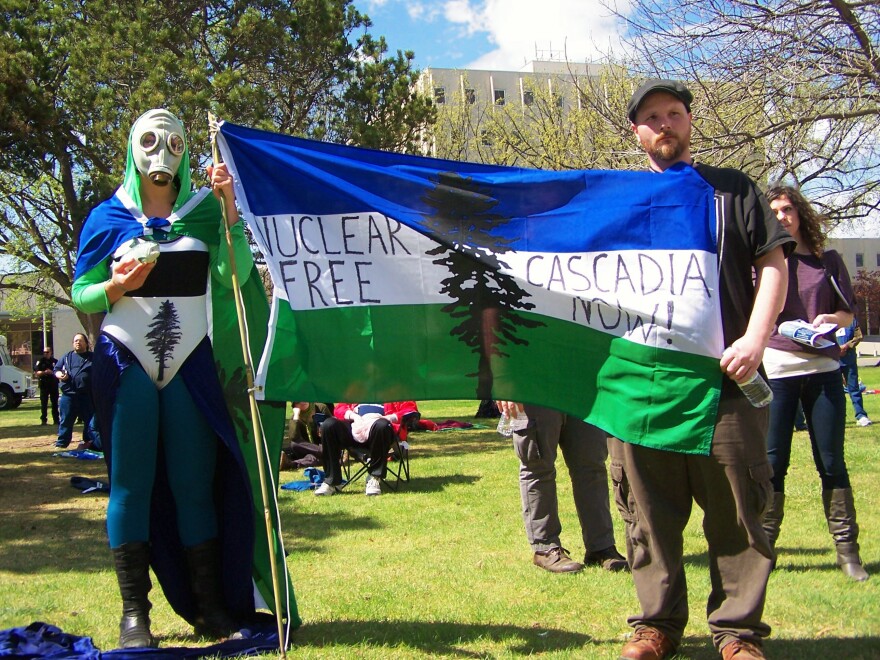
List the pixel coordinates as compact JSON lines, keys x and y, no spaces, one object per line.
{"x":132,"y":562}
{"x":840,"y":512}
{"x":773,"y":520}
{"x":212,"y":619}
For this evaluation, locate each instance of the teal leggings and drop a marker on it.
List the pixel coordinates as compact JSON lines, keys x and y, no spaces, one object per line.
{"x":140,"y":415}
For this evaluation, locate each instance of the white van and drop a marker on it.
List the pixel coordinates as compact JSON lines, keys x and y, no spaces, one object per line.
{"x":15,"y":384}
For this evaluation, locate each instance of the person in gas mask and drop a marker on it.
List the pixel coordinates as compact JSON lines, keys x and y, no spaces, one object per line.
{"x":153,"y":258}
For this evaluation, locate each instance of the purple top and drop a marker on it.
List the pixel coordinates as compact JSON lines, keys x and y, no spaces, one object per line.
{"x":810,"y":293}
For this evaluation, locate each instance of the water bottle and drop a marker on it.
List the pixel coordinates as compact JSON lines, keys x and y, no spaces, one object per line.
{"x":757,"y":390}
{"x":507,"y":425}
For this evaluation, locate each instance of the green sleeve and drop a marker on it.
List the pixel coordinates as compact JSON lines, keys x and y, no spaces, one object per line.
{"x":88,"y":292}
{"x":244,"y":259}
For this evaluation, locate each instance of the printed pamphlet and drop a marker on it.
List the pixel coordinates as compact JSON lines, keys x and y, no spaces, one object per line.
{"x":804,"y":333}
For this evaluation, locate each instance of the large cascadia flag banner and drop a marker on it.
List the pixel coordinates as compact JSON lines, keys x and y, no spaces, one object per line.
{"x":400,"y":277}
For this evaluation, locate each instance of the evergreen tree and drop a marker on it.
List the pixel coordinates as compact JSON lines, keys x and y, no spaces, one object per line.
{"x":74,"y":75}
{"x":164,"y":335}
{"x":484,"y":298}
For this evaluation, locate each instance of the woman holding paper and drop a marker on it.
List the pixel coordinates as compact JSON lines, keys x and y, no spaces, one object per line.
{"x":806,"y":370}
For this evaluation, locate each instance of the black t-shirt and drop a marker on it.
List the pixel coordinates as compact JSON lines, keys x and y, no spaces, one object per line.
{"x":46,"y":364}
{"x":748,"y":230}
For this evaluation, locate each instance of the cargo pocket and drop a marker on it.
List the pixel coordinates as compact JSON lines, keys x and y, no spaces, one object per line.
{"x":622,"y":496}
{"x":527,"y":445}
{"x":762,"y":487}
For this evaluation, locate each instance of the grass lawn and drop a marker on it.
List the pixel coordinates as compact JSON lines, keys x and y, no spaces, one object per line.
{"x":441,"y":568}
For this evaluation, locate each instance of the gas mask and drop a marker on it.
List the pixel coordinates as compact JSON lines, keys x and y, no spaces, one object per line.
{"x":157,"y":145}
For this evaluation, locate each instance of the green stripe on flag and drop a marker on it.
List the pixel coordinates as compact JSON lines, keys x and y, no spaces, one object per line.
{"x":655,"y":397}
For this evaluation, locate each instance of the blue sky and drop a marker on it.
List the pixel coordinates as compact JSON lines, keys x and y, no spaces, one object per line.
{"x":503,"y":34}
{"x":492,"y":34}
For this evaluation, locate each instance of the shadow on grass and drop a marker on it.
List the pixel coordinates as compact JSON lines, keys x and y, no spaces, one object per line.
{"x":435,"y":484}
{"x":829,"y":566}
{"x":786,"y":555}
{"x":452,"y":639}
{"x":320,"y":525}
{"x":862,"y":648}
{"x":434,"y":638}
{"x":47,"y":524}
{"x":457,"y":443}
{"x":316,"y":527}
{"x":23,"y":431}
{"x":702,"y":558}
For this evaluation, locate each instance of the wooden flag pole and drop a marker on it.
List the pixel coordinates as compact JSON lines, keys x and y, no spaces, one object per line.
{"x":259,"y":443}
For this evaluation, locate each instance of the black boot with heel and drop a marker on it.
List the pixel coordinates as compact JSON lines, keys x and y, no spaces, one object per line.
{"x":840,"y":512}
{"x":212,"y":620}
{"x":132,"y":563}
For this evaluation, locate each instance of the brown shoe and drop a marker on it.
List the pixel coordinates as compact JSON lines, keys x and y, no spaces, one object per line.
{"x":556,"y":561}
{"x":647,"y":644}
{"x":739,"y":649}
{"x":609,"y":559}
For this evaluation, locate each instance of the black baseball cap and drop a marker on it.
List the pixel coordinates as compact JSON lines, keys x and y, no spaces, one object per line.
{"x":674,"y":87}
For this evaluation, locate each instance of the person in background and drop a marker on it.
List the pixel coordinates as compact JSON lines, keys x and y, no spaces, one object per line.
{"x":44,"y":372}
{"x":303,"y":445}
{"x":373,"y":425}
{"x":655,"y":489}
{"x":848,"y":338}
{"x":74,"y":373}
{"x":585,"y":449}
{"x":819,"y":291}
{"x":488,"y":409}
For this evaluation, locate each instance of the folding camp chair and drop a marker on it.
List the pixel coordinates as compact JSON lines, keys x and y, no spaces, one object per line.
{"x":356,"y":462}
{"x":397,"y":461}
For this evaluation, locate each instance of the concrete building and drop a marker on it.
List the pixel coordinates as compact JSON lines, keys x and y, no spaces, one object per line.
{"x":499,"y":88}
{"x":27,"y":333}
{"x":484,"y":91}
{"x":858,"y":253}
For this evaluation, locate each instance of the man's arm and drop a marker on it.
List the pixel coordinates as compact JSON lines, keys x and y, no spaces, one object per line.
{"x":510,"y":408}
{"x":744,"y":355}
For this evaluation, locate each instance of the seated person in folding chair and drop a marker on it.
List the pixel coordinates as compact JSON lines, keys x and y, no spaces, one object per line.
{"x":373,"y":425}
{"x":302,"y":448}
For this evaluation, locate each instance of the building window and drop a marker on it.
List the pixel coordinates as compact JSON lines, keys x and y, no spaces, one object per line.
{"x":470,"y":95}
{"x":528,"y":97}
{"x":878,"y":260}
{"x":439,"y":95}
{"x":860,"y":260}
{"x":499,"y":97}
{"x":485,"y":138}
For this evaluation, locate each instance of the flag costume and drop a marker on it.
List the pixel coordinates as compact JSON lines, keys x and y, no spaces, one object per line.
{"x":172,"y":398}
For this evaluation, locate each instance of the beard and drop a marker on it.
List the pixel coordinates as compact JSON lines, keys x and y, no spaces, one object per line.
{"x":664,"y":149}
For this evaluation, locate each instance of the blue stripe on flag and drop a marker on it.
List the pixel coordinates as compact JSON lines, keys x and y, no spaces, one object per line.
{"x":568,"y":211}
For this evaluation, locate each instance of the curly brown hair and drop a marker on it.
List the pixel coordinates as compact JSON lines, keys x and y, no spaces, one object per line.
{"x":812,"y":224}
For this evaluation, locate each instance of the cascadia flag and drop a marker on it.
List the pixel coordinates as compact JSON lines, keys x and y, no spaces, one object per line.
{"x":400,"y":277}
